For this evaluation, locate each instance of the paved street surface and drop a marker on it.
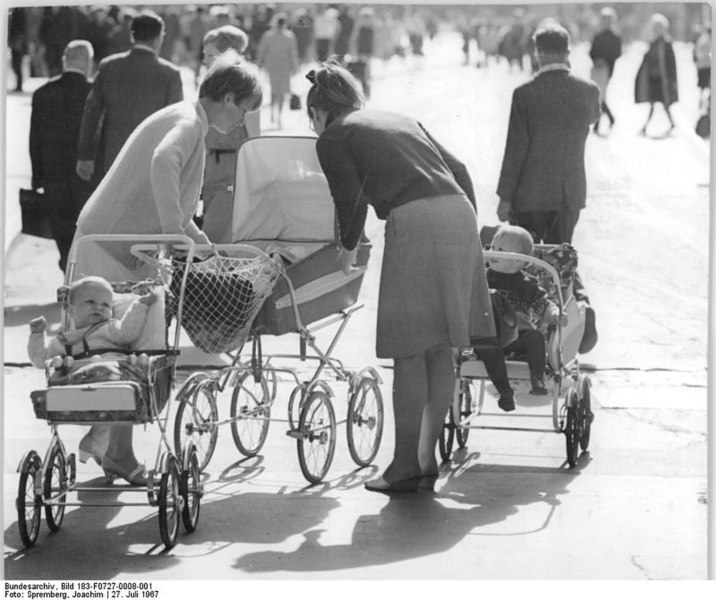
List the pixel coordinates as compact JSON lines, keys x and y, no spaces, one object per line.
{"x":507,"y":506}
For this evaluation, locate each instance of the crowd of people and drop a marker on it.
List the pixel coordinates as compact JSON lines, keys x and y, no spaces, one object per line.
{"x":144,"y":155}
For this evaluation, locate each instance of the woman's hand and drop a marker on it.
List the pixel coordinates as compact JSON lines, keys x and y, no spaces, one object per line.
{"x":346,"y":259}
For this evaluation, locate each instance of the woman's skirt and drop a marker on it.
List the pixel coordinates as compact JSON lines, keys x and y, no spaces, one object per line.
{"x":433,"y":288}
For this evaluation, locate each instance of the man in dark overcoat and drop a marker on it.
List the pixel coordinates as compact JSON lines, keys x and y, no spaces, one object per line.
{"x":543,"y":184}
{"x":54,"y":129}
{"x":128,"y":88}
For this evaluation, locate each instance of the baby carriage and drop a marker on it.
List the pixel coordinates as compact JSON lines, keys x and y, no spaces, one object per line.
{"x":283,"y":207}
{"x":568,"y":389}
{"x":130,"y":389}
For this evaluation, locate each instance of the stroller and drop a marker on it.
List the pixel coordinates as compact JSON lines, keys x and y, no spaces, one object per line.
{"x":131,"y":390}
{"x":283,"y":208}
{"x":569,"y":389}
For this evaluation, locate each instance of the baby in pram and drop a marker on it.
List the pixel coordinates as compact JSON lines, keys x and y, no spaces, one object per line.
{"x":534,"y":310}
{"x":90,"y":305}
{"x":97,"y":333}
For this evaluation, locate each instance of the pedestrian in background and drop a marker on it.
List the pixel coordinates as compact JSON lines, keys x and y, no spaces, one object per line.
{"x":656,"y":80}
{"x":128,"y":88}
{"x":17,"y":41}
{"x":302,"y":28}
{"x":605,"y":50}
{"x":702,"y":60}
{"x":433,"y":293}
{"x":543,"y":183}
{"x":54,"y":130}
{"x":221,"y":148}
{"x":363,"y":48}
{"x":278,"y":56}
{"x":326,"y":27}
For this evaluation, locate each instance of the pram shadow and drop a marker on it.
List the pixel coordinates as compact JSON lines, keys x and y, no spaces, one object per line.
{"x":424,"y":524}
{"x":22,"y":315}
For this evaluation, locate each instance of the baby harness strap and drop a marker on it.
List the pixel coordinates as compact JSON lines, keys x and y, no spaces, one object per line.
{"x":86,"y":352}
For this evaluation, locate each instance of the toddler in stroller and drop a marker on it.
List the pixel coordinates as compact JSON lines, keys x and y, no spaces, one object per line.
{"x":535,"y":311}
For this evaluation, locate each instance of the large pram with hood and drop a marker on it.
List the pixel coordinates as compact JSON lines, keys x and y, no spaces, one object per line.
{"x":283,"y":208}
{"x":569,"y":389}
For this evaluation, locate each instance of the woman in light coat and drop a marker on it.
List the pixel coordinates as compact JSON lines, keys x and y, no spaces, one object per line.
{"x":278,"y":55}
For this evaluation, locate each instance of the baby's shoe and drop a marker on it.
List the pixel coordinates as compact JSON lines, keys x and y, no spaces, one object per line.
{"x":507,"y":401}
{"x":538,"y":388}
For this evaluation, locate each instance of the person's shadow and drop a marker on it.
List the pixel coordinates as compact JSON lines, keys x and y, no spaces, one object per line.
{"x":423,"y":524}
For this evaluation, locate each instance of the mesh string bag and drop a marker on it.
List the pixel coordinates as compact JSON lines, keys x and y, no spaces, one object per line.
{"x":221,"y":298}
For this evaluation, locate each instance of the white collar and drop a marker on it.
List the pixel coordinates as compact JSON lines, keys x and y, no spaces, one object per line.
{"x":553,"y":67}
{"x":139,"y":46}
{"x":73,"y":70}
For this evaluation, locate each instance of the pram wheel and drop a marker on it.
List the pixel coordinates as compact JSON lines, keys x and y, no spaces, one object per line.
{"x":56,"y":485}
{"x":250,"y":413}
{"x":584,"y":413}
{"x":571,"y":429}
{"x":196,"y":422}
{"x":190,"y":488}
{"x":317,"y":436}
{"x":447,"y":436}
{"x":170,"y":504}
{"x":365,"y":421}
{"x":29,"y":503}
{"x":465,"y":410}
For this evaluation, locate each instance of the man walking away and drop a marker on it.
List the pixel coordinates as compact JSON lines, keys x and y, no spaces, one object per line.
{"x":543,"y":184}
{"x":128,"y":88}
{"x":54,"y":128}
{"x":606,"y":49}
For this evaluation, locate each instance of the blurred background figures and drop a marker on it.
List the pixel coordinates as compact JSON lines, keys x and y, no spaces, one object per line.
{"x":606,"y":49}
{"x":656,"y":79}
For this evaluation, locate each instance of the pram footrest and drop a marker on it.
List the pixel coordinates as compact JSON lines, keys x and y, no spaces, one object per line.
{"x":115,"y":402}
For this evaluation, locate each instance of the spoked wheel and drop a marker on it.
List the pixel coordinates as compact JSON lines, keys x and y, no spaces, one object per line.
{"x":585,"y":416}
{"x":465,"y":410}
{"x":365,"y":421}
{"x":295,"y":405}
{"x":29,"y":503}
{"x":317,"y":436}
{"x":251,"y":410}
{"x":571,"y":429}
{"x":170,"y":504}
{"x":447,"y":436}
{"x":55,"y":488}
{"x":190,"y":489}
{"x":195,"y":422}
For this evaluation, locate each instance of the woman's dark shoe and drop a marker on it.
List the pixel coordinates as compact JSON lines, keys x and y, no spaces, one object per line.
{"x":427,"y":482}
{"x":538,"y":388}
{"x":404,"y":486}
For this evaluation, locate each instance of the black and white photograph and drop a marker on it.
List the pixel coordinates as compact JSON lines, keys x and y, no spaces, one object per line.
{"x":355,"y":292}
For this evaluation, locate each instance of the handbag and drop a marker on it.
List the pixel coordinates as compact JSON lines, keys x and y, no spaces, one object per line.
{"x":35,"y":214}
{"x":295,"y":102}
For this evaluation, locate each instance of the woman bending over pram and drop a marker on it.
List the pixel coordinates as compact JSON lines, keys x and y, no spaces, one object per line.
{"x":95,"y":330}
{"x":532,"y":306}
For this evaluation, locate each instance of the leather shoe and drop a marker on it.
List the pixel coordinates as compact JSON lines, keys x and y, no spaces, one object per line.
{"x":404,"y":486}
{"x":133,"y":476}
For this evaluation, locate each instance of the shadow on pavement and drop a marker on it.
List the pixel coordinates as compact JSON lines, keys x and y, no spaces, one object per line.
{"x":16,"y":316}
{"x":423,"y":524}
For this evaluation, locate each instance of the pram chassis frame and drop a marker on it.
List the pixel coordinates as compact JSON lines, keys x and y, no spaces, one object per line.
{"x":235,"y":373}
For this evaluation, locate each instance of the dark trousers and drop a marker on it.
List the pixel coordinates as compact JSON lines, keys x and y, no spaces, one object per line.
{"x":552,"y":227}
{"x":322,"y":48}
{"x":16,"y":62}
{"x":67,"y":198}
{"x":493,"y":357}
{"x":531,"y":343}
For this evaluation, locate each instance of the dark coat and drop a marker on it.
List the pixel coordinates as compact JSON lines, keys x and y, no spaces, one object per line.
{"x":128,"y":88}
{"x":656,"y":78}
{"x":54,"y":128}
{"x":606,"y":46}
{"x":543,"y":165}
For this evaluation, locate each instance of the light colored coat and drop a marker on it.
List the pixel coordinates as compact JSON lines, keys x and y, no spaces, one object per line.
{"x":152,"y":187}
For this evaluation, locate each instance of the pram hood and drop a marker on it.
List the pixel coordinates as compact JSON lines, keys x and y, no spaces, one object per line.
{"x":281,"y":193}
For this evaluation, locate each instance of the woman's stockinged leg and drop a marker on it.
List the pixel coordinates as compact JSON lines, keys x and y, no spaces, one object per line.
{"x":441,"y":388}
{"x":410,"y":395}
